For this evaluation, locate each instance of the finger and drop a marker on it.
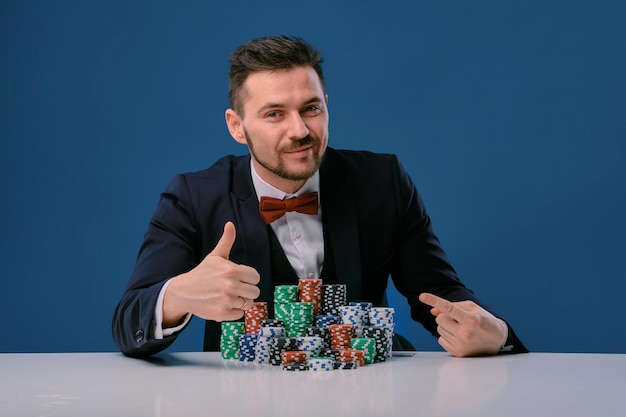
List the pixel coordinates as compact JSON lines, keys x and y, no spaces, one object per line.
{"x":444,"y":306}
{"x":249,"y":275}
{"x":249,"y":291}
{"x":445,"y":343}
{"x":223,"y":247}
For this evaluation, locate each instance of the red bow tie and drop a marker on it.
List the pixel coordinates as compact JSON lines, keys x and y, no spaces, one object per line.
{"x":273,"y":208}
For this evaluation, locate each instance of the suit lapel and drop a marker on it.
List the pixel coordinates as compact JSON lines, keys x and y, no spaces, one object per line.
{"x":340,"y":224}
{"x":252,"y":232}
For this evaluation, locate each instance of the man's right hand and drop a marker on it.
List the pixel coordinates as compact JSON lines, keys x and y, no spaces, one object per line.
{"x":216,"y":289}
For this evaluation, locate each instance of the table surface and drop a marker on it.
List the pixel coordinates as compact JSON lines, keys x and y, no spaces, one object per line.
{"x":202,"y":384}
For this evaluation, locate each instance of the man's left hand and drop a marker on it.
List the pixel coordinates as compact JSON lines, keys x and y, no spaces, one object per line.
{"x":465,"y":328}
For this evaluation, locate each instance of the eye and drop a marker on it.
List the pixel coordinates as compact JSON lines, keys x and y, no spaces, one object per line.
{"x":272,"y":115}
{"x":312,"y":110}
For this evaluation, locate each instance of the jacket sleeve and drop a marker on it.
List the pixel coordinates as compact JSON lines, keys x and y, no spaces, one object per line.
{"x":420,"y":264}
{"x":169,"y":249}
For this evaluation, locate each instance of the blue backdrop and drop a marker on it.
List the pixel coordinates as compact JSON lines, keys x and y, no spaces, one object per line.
{"x":510,"y":117}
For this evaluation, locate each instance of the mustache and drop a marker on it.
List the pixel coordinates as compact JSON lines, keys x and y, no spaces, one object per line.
{"x":305,"y":141}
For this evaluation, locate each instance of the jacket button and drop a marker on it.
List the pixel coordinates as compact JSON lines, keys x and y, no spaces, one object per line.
{"x":139,"y":336}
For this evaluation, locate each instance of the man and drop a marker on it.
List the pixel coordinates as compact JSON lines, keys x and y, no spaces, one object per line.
{"x":209,"y":251}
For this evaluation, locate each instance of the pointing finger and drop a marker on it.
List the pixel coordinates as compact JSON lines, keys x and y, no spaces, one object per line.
{"x":442,"y":305}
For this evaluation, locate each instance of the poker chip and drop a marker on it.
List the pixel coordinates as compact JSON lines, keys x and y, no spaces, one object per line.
{"x":383,"y":317}
{"x":322,"y":332}
{"x":300,"y":318}
{"x":326,"y":320}
{"x":284,"y":295}
{"x":312,"y":345}
{"x":293,"y":357}
{"x":379,"y":335}
{"x":272,"y":331}
{"x":340,"y":335}
{"x":272,"y":323}
{"x":254,"y":316}
{"x":367,"y":345}
{"x":321,"y":364}
{"x":310,"y":291}
{"x":282,"y":312}
{"x":262,"y":350}
{"x":354,"y":315}
{"x":247,"y":347}
{"x":345,"y":365}
{"x":296,"y":367}
{"x":330,"y":353}
{"x":352,"y":355}
{"x":229,"y":339}
{"x":366,"y":307}
{"x":278,"y":345}
{"x":333,"y":297}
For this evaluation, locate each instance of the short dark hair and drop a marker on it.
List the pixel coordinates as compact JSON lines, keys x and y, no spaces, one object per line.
{"x":269,"y":53}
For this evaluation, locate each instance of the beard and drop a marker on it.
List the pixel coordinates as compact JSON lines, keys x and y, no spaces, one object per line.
{"x":278,"y":166}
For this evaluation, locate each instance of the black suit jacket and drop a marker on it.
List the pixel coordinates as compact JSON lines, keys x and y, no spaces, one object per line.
{"x":371,"y":211}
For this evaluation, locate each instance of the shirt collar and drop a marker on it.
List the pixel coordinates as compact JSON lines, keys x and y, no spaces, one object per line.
{"x":262,"y":188}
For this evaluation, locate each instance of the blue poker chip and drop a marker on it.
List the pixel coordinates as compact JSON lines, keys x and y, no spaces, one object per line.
{"x":321,"y":364}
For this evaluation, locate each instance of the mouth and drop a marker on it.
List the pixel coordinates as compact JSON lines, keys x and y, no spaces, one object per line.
{"x":303,"y":149}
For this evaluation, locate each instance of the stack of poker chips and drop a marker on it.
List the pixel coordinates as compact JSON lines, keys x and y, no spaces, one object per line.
{"x":254,"y":316}
{"x":382,"y":342}
{"x":352,"y":355}
{"x":354,"y":315}
{"x":323,"y":333}
{"x":247,"y":347}
{"x":270,"y":329}
{"x":311,"y":345}
{"x":313,"y":329}
{"x":280,"y":345}
{"x":367,"y":345}
{"x":333,"y":297}
{"x":300,"y":318}
{"x":340,"y":335}
{"x":366,"y":307}
{"x":383,"y":317}
{"x":310,"y":291}
{"x":229,"y":340}
{"x":321,"y":364}
{"x":284,"y":295}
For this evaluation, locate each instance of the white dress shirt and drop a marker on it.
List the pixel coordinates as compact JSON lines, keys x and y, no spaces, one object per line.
{"x":300,"y":235}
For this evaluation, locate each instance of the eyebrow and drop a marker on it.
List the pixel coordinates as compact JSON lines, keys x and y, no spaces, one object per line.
{"x":268,"y":106}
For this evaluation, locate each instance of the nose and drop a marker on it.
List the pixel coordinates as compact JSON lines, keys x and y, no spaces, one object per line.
{"x":297,"y":127}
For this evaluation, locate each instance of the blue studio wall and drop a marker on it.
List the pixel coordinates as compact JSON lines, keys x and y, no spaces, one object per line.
{"x":510,"y":117}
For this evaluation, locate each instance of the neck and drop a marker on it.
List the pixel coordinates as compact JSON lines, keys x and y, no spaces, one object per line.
{"x":283,"y":184}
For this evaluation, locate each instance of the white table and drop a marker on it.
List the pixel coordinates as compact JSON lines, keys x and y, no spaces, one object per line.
{"x":202,"y":384}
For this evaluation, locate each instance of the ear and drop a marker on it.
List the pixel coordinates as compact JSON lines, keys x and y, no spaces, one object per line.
{"x":235,"y":126}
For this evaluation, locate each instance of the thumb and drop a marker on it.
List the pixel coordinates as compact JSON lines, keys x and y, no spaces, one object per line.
{"x":223,"y":247}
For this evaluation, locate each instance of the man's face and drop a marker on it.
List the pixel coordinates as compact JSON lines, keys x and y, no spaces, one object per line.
{"x":285,"y":125}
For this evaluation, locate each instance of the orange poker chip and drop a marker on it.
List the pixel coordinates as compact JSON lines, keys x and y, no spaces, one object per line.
{"x":352,"y":355}
{"x":254,"y":316}
{"x":341,"y":335}
{"x":295,"y":357}
{"x":310,"y":291}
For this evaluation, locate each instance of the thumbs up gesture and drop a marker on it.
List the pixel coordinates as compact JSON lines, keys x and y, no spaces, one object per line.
{"x":217,"y":289}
